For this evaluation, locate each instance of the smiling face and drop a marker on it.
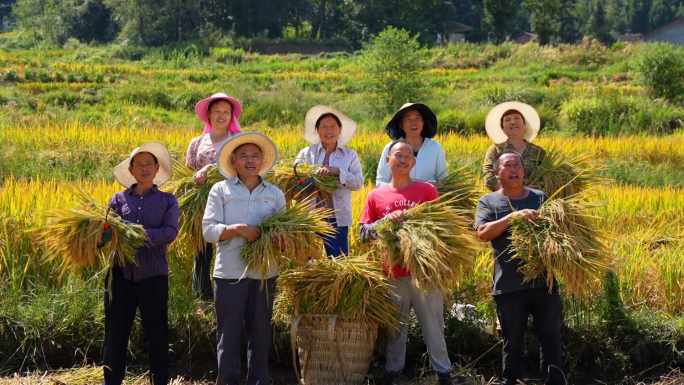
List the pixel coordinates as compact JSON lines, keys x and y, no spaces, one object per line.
{"x":401,"y":159}
{"x":513,"y":124}
{"x":220,"y":114}
{"x":247,"y":160}
{"x":510,"y":170}
{"x":144,"y":167}
{"x":412,"y":124}
{"x":328,"y":130}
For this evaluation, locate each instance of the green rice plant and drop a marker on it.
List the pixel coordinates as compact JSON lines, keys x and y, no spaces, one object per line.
{"x":299,"y":228}
{"x":563,"y":242}
{"x":74,"y":235}
{"x":192,"y":200}
{"x":351,"y":286}
{"x":433,"y":242}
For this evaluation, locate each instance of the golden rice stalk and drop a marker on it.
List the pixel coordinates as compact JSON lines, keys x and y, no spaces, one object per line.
{"x":563,"y":242}
{"x":283,"y":176}
{"x":301,"y":229}
{"x":350,"y":286}
{"x":461,"y":184}
{"x":74,"y":234}
{"x":433,"y":242}
{"x":557,"y":170}
{"x":192,"y":199}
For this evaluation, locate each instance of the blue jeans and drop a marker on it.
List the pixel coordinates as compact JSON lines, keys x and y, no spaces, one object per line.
{"x":338,"y":243}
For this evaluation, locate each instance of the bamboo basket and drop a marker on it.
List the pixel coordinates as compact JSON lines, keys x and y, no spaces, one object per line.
{"x":333,"y":350}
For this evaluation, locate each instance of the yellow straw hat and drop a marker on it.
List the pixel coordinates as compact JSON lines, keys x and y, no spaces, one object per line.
{"x":268,"y":150}
{"x":347,"y":130}
{"x":160,"y":152}
{"x":493,"y":121}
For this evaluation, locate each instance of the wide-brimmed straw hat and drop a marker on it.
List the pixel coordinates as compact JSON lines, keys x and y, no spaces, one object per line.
{"x":202,"y":111}
{"x":493,"y":121}
{"x":157,"y":149}
{"x":347,"y":130}
{"x":268,"y":150}
{"x":393,"y":127}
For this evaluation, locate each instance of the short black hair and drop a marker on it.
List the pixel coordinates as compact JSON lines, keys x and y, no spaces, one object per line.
{"x":144,"y":152}
{"x":328,"y":115}
{"x":511,"y":112}
{"x":211,"y":104}
{"x":394,"y":143}
{"x":496,"y":161}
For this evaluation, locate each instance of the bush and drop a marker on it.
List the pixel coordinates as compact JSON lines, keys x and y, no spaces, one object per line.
{"x":393,"y":62}
{"x":228,"y":55}
{"x":660,"y":66}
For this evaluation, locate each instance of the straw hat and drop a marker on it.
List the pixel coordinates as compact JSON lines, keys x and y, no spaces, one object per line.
{"x":157,"y":149}
{"x":202,"y":111}
{"x":347,"y":130}
{"x":268,"y":149}
{"x":493,"y":121}
{"x":393,"y":127}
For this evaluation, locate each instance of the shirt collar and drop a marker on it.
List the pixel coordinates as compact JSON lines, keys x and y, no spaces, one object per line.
{"x":131,"y":190}
{"x":318,"y":147}
{"x":235,"y":180}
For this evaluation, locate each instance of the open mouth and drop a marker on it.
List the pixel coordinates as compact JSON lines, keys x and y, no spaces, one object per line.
{"x":514,"y":177}
{"x":329,"y":136}
{"x":250,"y":167}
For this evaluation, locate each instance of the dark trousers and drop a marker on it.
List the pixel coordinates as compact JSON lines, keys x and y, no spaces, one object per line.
{"x":151,"y":295}
{"x":338,"y":243}
{"x":238,"y":304}
{"x":201,"y":273}
{"x":546,"y":309}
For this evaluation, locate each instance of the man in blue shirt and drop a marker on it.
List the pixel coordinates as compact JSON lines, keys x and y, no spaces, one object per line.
{"x":516,"y":299}
{"x":144,"y":284}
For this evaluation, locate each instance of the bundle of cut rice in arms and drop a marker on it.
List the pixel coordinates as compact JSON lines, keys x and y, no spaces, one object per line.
{"x":461,"y":183}
{"x":192,"y":199}
{"x":300,"y":229}
{"x":433,"y":242}
{"x":563,"y":242}
{"x":571,"y":175}
{"x":73,"y":235}
{"x":350,"y":286}
{"x":283,"y":176}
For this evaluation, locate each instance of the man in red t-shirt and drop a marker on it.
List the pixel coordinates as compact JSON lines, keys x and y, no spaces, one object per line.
{"x":388,"y":203}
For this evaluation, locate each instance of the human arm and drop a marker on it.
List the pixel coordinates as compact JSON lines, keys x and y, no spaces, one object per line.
{"x":441,"y":171}
{"x":383,"y":174}
{"x":488,"y":169}
{"x":491,"y":230}
{"x":352,"y":178}
{"x":168,"y":230}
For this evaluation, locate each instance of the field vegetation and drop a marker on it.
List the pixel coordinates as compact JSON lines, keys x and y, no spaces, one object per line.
{"x":67,"y":116}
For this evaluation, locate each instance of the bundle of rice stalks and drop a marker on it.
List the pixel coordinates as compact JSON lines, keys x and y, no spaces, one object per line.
{"x":433,"y":242}
{"x":300,"y":229}
{"x":192,"y":199}
{"x":563,"y":242}
{"x":461,"y":184}
{"x":283,"y":176}
{"x":571,"y":175}
{"x":351,"y":286}
{"x":74,"y":234}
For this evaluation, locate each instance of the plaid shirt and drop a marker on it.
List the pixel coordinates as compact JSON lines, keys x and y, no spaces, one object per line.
{"x":157,"y":212}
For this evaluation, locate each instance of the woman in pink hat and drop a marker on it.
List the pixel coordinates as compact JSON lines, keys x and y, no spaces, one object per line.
{"x":220,"y":114}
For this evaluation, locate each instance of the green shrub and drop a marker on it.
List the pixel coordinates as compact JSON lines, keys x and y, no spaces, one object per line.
{"x":660,"y":66}
{"x":495,"y":93}
{"x":228,"y":55}
{"x":393,"y":61}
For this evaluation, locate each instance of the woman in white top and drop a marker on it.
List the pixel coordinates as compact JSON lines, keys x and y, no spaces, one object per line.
{"x":220,"y":115}
{"x":328,"y":131}
{"x":417,"y":124}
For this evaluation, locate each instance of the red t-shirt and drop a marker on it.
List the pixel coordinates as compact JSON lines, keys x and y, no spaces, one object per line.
{"x":384,"y":200}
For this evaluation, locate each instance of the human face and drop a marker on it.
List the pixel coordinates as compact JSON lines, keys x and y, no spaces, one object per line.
{"x":412,"y":123}
{"x":401,"y":159}
{"x":513,"y":126}
{"x":247,"y":160}
{"x":328,"y":131}
{"x":510,"y":171}
{"x":144,"y":168}
{"x":220,"y":114}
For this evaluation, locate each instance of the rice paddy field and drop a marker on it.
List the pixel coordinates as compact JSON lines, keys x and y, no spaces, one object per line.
{"x":68,"y":116}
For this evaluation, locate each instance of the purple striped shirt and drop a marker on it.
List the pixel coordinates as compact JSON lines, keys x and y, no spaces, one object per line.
{"x":157,"y":212}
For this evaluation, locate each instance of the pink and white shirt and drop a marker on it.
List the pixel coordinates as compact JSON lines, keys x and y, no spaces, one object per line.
{"x":202,"y":151}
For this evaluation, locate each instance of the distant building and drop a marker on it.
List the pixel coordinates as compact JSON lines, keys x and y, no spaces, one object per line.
{"x":524,"y":38}
{"x":630,"y":37}
{"x":672,"y":32}
{"x":454,"y":32}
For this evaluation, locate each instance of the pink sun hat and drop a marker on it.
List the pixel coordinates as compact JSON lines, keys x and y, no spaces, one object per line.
{"x":202,"y":107}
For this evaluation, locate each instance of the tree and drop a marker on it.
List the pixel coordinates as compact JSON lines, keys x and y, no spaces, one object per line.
{"x":616,"y":14}
{"x":393,"y":61}
{"x":598,"y":28}
{"x":567,"y":22}
{"x":637,"y":15}
{"x":498,"y":17}
{"x":543,"y":18}
{"x":661,"y":13}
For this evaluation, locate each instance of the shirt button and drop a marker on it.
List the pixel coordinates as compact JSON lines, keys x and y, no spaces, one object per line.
{"x":138,"y":221}
{"x":138,"y":207}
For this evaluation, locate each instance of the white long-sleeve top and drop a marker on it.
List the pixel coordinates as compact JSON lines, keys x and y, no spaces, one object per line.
{"x":351,"y":176}
{"x":430,"y":164}
{"x":230,"y":202}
